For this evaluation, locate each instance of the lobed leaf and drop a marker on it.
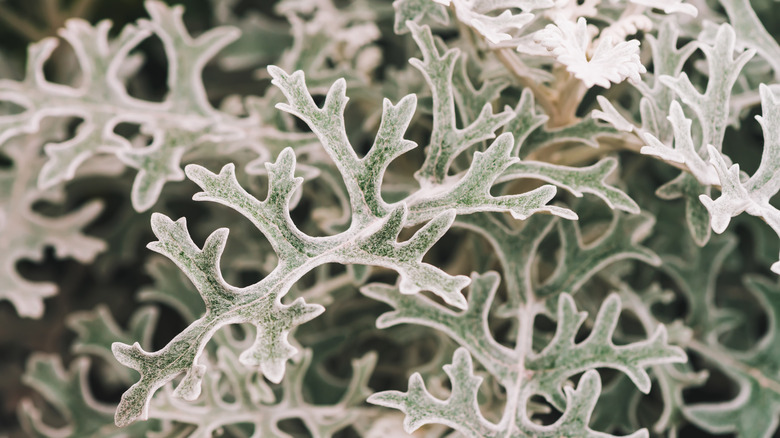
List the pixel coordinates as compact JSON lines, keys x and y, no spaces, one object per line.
{"x":755,"y":411}
{"x":563,"y":357}
{"x":69,"y":393}
{"x":25,"y":233}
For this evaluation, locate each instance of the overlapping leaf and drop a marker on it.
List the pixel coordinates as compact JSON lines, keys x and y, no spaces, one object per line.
{"x":522,"y":372}
{"x":182,"y":121}
{"x":371,"y":239}
{"x":25,"y":233}
{"x":755,"y":411}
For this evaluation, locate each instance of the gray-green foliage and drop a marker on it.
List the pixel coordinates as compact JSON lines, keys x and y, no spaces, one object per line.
{"x":477,"y":240}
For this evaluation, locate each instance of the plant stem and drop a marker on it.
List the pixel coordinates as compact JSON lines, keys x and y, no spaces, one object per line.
{"x":728,"y":360}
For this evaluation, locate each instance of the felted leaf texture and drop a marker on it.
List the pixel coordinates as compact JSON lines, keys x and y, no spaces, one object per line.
{"x":25,"y":233}
{"x":753,"y":195}
{"x":261,"y":407}
{"x":605,"y":63}
{"x":517,"y":250}
{"x":371,"y":239}
{"x":253,"y":404}
{"x":447,"y":140}
{"x":522,"y":372}
{"x":416,"y":11}
{"x":691,"y":145}
{"x":97,"y":330}
{"x":519,"y":274}
{"x":755,"y":411}
{"x":183,"y":120}
{"x":68,"y":391}
{"x":495,"y":27}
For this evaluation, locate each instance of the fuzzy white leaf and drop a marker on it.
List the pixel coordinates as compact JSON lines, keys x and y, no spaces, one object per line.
{"x":611,"y":115}
{"x":669,"y":6}
{"x":607,"y":63}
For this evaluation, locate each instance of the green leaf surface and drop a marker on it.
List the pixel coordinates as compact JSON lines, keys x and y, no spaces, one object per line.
{"x":755,"y":411}
{"x":68,"y":392}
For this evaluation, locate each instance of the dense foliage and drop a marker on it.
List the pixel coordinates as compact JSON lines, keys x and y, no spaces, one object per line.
{"x":479,"y":218}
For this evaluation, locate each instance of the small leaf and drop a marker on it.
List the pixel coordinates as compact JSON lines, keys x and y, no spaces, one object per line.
{"x":610,"y":62}
{"x":417,"y":11}
{"x":576,"y":180}
{"x":562,"y":357}
{"x":68,"y":391}
{"x":460,"y":411}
